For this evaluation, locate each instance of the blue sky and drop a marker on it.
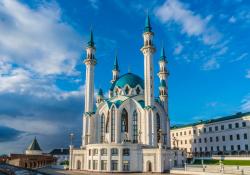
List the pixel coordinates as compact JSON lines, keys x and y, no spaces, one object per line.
{"x":42,"y":47}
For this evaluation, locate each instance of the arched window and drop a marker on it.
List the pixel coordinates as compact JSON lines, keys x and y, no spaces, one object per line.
{"x":102,"y":128}
{"x":126,"y":90}
{"x":107,"y":124}
{"x":124,"y":121}
{"x":135,"y":127}
{"x":138,"y":90}
{"x":112,"y":124}
{"x":158,"y":125}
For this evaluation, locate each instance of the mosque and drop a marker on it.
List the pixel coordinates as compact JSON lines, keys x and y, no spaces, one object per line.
{"x":129,"y":130}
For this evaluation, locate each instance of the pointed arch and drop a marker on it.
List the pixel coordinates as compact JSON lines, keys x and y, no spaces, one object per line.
{"x":113,"y":124}
{"x":124,"y":121}
{"x":102,"y":128}
{"x":135,"y":127}
{"x":158,"y":126}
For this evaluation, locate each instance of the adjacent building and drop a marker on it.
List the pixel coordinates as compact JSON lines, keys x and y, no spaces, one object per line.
{"x":129,"y":130}
{"x":228,"y":135}
{"x":33,"y":157}
{"x":61,"y":155}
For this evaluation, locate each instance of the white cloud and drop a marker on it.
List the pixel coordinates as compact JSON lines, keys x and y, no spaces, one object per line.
{"x":232,"y":19}
{"x":192,"y":24}
{"x":246,"y":103}
{"x":211,"y":64}
{"x":241,"y":57}
{"x":94,"y":3}
{"x":37,"y":39}
{"x":248,"y":74}
{"x":178,"y":49}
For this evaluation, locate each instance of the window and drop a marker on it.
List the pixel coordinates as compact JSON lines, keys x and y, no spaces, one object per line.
{"x":158,"y":125}
{"x":89,"y":152}
{"x":138,"y":90}
{"x":223,"y":138}
{"x":114,"y":165}
{"x":200,"y":149}
{"x":212,"y":148}
{"x":218,"y":148}
{"x":181,"y":142}
{"x":245,"y":136}
{"x":177,"y":134}
{"x":173,"y":134}
{"x":126,"y":90}
{"x":238,"y":147}
{"x":205,"y":148}
{"x":102,"y":128}
{"x":246,"y":147}
{"x":189,"y":132}
{"x":104,"y":152}
{"x":244,"y":124}
{"x":95,"y":152}
{"x":184,"y":133}
{"x":103,"y":164}
{"x":95,"y":164}
{"x":125,"y":152}
{"x":217,"y":138}
{"x":238,"y":136}
{"x":89,"y":164}
{"x":135,"y":127}
{"x":224,"y":148}
{"x":185,"y":141}
{"x":125,"y":165}
{"x":232,"y":147}
{"x":112,"y":124}
{"x":210,"y":129}
{"x":216,"y":128}
{"x":194,"y":140}
{"x":180,"y":133}
{"x":204,"y":130}
{"x":107,"y":125}
{"x":231,"y":137}
{"x":194,"y":131}
{"x":205,"y":140}
{"x":230,"y":126}
{"x":124,"y":121}
{"x":222,"y":127}
{"x":236,"y":125}
{"x":195,"y":149}
{"x":211,"y":139}
{"x":114,"y":151}
{"x":199,"y":140}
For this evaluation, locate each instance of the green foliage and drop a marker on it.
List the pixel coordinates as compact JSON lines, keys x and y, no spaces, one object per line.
{"x":66,"y":162}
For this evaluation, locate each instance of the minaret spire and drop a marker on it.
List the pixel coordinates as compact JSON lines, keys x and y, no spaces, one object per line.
{"x":115,"y":70}
{"x":90,"y":62}
{"x":148,"y":27}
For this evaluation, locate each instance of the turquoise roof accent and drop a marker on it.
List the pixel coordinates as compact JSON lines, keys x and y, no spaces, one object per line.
{"x":91,"y":40}
{"x":237,"y":115}
{"x":163,"y":83}
{"x":128,"y":79}
{"x":117,"y":103}
{"x":148,"y":27}
{"x":162,"y":57}
{"x":116,"y":66}
{"x":100,"y":92}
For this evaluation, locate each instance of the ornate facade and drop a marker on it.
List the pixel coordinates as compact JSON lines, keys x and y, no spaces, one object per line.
{"x":129,"y":130}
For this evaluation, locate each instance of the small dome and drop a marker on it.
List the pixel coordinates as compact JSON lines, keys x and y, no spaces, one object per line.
{"x":129,"y":79}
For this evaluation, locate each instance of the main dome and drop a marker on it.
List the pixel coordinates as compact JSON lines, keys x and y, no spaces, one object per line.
{"x":129,"y":79}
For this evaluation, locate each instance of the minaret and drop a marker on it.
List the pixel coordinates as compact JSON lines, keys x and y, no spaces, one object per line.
{"x":163,"y":75}
{"x":90,"y":63}
{"x":100,"y":97}
{"x":148,"y":49}
{"x":115,"y":70}
{"x":163,"y":88}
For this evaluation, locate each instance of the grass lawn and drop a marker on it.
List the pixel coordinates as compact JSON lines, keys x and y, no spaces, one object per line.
{"x":225,"y":162}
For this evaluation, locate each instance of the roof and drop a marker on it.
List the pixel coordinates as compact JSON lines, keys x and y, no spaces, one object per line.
{"x":235,"y":116}
{"x":91,"y":40}
{"x":100,"y":92}
{"x":116,"y":66}
{"x":61,"y":151}
{"x":34,"y":145}
{"x":163,"y":83}
{"x":148,"y":27}
{"x":163,"y":56}
{"x":128,"y":79}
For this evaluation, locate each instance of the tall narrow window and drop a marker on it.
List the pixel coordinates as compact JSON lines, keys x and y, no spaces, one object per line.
{"x":102,"y":128}
{"x":138,"y":90}
{"x":126,"y":90}
{"x":158,"y":125}
{"x":124,"y":121}
{"x":135,"y":127}
{"x":107,"y":124}
{"x":112,"y":124}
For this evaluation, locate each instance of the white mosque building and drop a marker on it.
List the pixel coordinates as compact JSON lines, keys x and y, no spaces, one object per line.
{"x":129,"y":131}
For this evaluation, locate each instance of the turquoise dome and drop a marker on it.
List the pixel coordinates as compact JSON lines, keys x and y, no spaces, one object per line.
{"x":128,"y":79}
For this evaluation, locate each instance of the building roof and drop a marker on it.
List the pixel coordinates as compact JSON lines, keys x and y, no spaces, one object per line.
{"x":60,"y":151}
{"x":34,"y":146}
{"x":129,"y":79}
{"x":91,"y":40}
{"x":148,"y":27}
{"x":116,"y":65}
{"x":163,"y":83}
{"x":163,"y":56}
{"x":235,"y":116}
{"x":100,"y":92}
